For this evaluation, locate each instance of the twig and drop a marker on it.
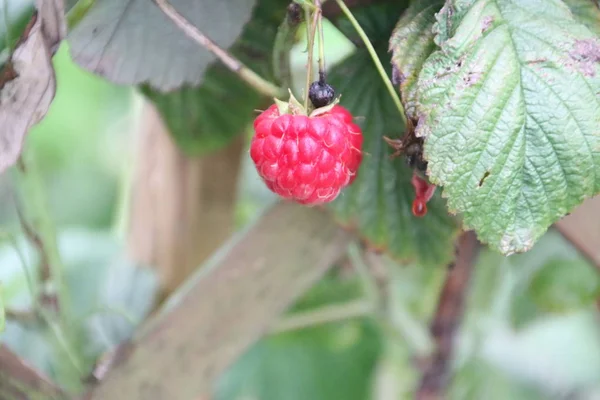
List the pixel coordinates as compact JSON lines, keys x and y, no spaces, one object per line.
{"x":369,"y":283}
{"x":39,"y":227}
{"x":19,"y":381}
{"x":389,"y":308}
{"x":27,"y":317}
{"x":447,"y":319}
{"x":253,"y":79}
{"x":323,"y":315}
{"x":234,"y":299}
{"x":36,"y":241}
{"x":376,"y":60}
{"x":39,"y":313}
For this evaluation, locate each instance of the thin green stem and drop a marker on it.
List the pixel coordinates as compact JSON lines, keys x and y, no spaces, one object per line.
{"x":323,"y":315}
{"x":58,"y":334}
{"x":40,"y":229}
{"x":322,"y":68}
{"x":312,"y":30}
{"x":370,"y":287}
{"x":246,"y":74}
{"x":37,"y":222}
{"x":376,"y":60}
{"x":108,"y":310}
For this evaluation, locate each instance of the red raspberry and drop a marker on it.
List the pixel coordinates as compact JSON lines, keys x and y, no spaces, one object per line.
{"x":307,"y":159}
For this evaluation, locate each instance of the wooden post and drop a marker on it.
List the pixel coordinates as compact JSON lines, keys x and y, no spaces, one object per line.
{"x":182,"y":208}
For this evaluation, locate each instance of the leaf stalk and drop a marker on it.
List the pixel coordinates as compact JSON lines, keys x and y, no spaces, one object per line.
{"x":235,"y":65}
{"x":376,"y":60}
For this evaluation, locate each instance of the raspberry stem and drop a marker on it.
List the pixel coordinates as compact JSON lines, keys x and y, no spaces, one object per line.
{"x":246,"y":74}
{"x":322,"y":71}
{"x":375,"y":58}
{"x":312,"y":30}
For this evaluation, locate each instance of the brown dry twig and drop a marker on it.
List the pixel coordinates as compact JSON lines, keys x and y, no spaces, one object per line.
{"x":20,"y":381}
{"x":447,"y":318}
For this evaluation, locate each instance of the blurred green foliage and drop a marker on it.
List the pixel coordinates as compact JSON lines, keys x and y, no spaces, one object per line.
{"x":81,"y":147}
{"x":531,"y":330}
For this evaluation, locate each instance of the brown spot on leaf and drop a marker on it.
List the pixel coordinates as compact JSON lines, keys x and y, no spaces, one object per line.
{"x":483,"y":178}
{"x":7,"y":74}
{"x":586,"y":54}
{"x":486,"y":23}
{"x":397,"y":76}
{"x":472,"y":78}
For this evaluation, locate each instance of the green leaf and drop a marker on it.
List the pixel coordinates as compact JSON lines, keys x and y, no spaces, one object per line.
{"x":108,"y":296}
{"x":2,"y":311}
{"x":411,"y":43}
{"x":334,"y":361}
{"x":510,"y":111}
{"x":558,"y":354}
{"x":132,"y":42}
{"x":479,"y":380}
{"x":126,"y":295}
{"x":509,"y":331}
{"x":587,"y":12}
{"x":205,"y":118}
{"x":565,"y":285}
{"x":14,"y":16}
{"x":378,"y":203}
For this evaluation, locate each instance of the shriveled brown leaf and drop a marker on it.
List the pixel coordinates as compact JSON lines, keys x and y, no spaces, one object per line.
{"x":27,"y":81}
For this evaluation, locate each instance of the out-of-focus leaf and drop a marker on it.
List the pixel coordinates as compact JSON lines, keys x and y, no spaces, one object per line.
{"x":502,"y":286}
{"x":480,"y":380}
{"x":378,"y":203}
{"x":125,"y":298}
{"x":19,"y":381}
{"x":559,"y":354}
{"x":565,"y":285}
{"x":109,"y":297}
{"x":14,"y":17}
{"x":509,"y":111}
{"x":34,"y":344}
{"x":334,"y":361}
{"x":27,"y":81}
{"x":131,"y":41}
{"x":509,"y":330}
{"x":411,"y":43}
{"x":587,"y":12}
{"x":2,"y":311}
{"x":206,"y":117}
